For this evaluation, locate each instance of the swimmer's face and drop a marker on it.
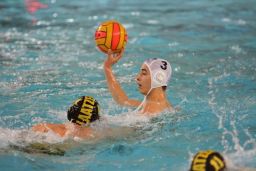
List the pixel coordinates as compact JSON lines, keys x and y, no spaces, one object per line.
{"x":143,"y":80}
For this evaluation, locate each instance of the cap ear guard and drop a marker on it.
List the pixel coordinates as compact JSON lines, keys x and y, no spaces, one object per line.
{"x":160,"y":77}
{"x":208,"y":161}
{"x":83,"y":111}
{"x":160,"y":72}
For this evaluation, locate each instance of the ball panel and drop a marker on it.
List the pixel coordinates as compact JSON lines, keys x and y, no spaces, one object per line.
{"x":100,"y":41}
{"x":102,"y":28}
{"x":115,"y":36}
{"x":116,"y":51}
{"x":122,"y":38}
{"x":100,"y":34}
{"x":103,"y":48}
{"x":109,"y":35}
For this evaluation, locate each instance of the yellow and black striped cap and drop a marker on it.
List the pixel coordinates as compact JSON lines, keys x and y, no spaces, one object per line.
{"x":208,"y":160}
{"x":84,"y":110}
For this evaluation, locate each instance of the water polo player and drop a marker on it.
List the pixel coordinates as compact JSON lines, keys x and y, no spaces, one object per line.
{"x":84,"y":111}
{"x":152,"y":81}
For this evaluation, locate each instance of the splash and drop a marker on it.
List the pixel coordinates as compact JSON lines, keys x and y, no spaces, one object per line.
{"x":24,"y":137}
{"x":241,"y":161}
{"x":127,"y":119}
{"x":238,"y":151}
{"x":33,"y":142}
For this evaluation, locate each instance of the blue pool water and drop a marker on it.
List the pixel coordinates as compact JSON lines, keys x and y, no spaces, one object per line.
{"x":47,"y":64}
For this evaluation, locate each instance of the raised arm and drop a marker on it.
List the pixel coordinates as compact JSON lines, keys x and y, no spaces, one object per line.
{"x":113,"y":85}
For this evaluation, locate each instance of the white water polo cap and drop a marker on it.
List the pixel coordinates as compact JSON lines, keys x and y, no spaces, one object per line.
{"x":160,"y":72}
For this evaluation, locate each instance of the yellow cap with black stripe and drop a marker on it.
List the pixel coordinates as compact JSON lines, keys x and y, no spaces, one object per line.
{"x":208,"y":160}
{"x":83,"y":111}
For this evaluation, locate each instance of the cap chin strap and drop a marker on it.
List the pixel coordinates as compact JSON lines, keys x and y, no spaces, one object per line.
{"x":143,"y":101}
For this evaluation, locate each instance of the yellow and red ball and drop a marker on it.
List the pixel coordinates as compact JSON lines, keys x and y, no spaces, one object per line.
{"x":111,"y":35}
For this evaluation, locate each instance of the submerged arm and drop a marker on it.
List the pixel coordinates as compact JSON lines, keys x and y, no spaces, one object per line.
{"x":113,"y":85}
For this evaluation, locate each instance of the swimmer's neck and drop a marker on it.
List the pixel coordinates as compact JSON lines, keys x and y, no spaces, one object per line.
{"x":155,"y":103}
{"x":156,"y":95}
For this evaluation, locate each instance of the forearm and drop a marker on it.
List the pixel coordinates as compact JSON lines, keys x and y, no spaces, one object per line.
{"x":114,"y":87}
{"x":40,"y":128}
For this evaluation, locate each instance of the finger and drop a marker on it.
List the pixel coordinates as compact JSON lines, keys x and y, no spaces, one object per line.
{"x":120,"y":54}
{"x":122,"y":51}
{"x":109,"y":52}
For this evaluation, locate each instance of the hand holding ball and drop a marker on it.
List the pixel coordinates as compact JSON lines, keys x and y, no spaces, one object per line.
{"x":111,"y":35}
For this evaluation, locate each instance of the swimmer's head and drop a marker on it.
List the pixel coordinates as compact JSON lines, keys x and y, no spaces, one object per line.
{"x":208,"y":161}
{"x":160,"y":72}
{"x":84,"y":111}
